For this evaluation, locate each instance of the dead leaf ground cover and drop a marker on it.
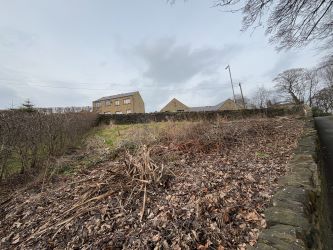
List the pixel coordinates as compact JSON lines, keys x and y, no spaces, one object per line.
{"x":177,"y":186}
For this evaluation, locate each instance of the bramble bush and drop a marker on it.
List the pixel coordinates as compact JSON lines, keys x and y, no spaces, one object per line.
{"x":32,"y":138}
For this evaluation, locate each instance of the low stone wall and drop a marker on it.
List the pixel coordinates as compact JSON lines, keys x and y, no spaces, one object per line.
{"x":195,"y":116}
{"x":298,"y":217}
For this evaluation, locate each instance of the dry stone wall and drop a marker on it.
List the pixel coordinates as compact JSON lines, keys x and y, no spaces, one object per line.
{"x":298,"y":218}
{"x":195,"y":116}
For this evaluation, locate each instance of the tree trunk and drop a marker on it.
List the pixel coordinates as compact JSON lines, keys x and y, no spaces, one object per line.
{"x":294,"y":97}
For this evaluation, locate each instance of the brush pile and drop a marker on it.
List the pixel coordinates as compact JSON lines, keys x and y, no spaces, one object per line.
{"x":187,"y":186}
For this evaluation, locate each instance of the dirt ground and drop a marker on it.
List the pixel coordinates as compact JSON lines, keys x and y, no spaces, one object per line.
{"x":177,"y":186}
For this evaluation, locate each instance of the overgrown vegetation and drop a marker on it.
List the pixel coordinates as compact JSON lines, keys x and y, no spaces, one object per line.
{"x":30,"y":140}
{"x":173,"y":185}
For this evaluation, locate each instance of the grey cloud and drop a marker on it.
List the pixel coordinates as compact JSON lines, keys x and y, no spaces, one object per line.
{"x":212,"y":84}
{"x":103,"y":64}
{"x":171,"y":63}
{"x":211,"y":91}
{"x":284,"y":62}
{"x":12,"y":38}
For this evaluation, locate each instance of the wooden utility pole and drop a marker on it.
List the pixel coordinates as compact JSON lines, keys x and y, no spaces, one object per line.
{"x":232,"y":85}
{"x":240,"y":86}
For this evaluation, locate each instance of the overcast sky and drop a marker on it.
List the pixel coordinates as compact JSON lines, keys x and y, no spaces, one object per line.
{"x":71,"y":52}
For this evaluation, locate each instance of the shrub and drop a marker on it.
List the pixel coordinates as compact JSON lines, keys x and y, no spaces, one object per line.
{"x":319,"y":112}
{"x":31,"y":138}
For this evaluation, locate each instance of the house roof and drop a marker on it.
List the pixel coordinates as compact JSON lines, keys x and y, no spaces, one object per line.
{"x":174,"y":102}
{"x":117,"y":96}
{"x":205,"y":108}
{"x":221,"y":104}
{"x":208,"y":108}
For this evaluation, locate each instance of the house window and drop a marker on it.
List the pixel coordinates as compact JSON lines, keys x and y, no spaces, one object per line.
{"x":97,"y":104}
{"x":127,"y":101}
{"x":108,"y":103}
{"x":117,"y":103}
{"x":129,"y":111}
{"x":119,"y":112}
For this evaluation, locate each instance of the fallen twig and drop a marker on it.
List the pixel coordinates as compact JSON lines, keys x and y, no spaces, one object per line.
{"x":144,"y":202}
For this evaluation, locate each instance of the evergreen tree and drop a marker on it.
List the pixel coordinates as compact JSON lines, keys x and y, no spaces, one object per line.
{"x":28,"y":106}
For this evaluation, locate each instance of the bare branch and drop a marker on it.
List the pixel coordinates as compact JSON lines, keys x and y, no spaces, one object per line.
{"x":289,"y":23}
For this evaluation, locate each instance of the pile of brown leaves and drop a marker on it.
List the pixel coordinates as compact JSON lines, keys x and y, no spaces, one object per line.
{"x":211,"y":195}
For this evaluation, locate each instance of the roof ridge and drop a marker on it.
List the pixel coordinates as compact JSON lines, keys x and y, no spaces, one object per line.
{"x":117,"y":96}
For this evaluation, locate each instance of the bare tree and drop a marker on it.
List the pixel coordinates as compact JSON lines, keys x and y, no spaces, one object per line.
{"x":324,"y":99}
{"x":326,"y":71}
{"x":291,"y":83}
{"x":261,"y":97}
{"x":289,"y":23}
{"x":312,"y":82}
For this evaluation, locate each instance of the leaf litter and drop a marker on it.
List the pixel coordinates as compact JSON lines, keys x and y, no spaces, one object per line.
{"x":189,"y":186}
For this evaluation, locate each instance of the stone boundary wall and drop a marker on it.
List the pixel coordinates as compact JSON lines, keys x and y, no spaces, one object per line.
{"x":298,"y":218}
{"x":195,"y":116}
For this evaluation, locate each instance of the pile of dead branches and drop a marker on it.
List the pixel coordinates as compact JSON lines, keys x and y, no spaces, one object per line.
{"x":141,"y":167}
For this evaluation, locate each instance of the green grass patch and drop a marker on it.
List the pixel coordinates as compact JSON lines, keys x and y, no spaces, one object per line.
{"x":115,"y":133}
{"x":112,"y":133}
{"x":14,"y":166}
{"x":261,"y":154}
